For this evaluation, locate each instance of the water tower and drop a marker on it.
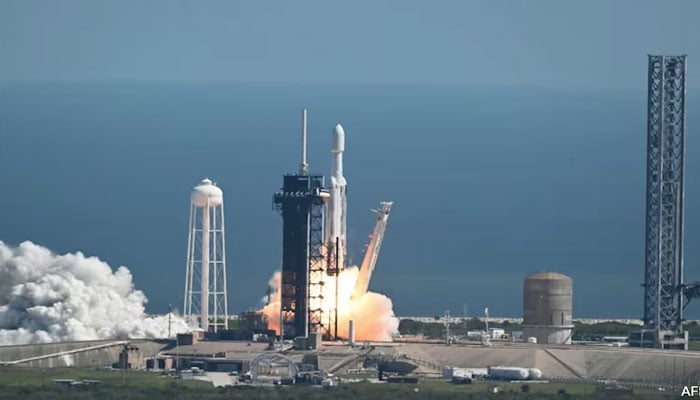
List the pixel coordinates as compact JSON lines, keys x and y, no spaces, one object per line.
{"x":205,"y":278}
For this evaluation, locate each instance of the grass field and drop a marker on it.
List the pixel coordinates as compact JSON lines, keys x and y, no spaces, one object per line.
{"x":25,"y":383}
{"x":34,"y":377}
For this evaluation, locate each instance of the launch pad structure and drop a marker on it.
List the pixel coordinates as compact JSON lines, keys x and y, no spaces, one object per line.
{"x":301,"y":204}
{"x":664,"y":286}
{"x":314,"y":245}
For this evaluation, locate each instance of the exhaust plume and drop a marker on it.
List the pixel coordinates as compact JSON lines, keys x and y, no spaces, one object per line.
{"x":47,"y":298}
{"x":372,"y":312}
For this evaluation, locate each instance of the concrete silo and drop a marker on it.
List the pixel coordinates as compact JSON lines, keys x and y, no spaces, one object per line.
{"x":547,"y":302}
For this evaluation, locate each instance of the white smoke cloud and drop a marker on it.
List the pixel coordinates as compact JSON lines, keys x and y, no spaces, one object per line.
{"x":46,"y":298}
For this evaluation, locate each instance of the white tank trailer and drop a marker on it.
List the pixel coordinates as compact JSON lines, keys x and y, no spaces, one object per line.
{"x":450,"y":372}
{"x":514,"y":373}
{"x":534,"y":373}
{"x":351,"y":334}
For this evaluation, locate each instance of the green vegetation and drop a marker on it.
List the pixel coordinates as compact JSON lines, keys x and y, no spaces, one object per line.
{"x":581,"y":331}
{"x":233,"y":324}
{"x":593,"y":331}
{"x":694,"y":345}
{"x":27,"y":383}
{"x":36,"y":377}
{"x":437,"y":329}
{"x":693,"y":329}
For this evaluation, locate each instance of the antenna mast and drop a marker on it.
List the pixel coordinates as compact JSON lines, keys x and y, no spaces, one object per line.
{"x":303,"y":167}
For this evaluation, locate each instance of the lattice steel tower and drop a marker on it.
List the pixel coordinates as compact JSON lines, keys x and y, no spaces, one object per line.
{"x":205,"y":277}
{"x":301,"y":203}
{"x":663,"y":285}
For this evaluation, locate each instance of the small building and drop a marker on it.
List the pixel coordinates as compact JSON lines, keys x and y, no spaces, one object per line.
{"x":314,"y":341}
{"x":402,"y":379}
{"x":186,"y":374}
{"x":311,"y":342}
{"x":451,"y":372}
{"x":651,"y":338}
{"x":301,"y":342}
{"x":614,"y":339}
{"x":131,"y":358}
{"x":186,"y":339}
{"x":496,"y":333}
{"x":160,"y":363}
{"x":329,"y":382}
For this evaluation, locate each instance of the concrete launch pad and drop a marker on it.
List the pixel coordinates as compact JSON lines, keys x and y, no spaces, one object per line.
{"x":570,"y":362}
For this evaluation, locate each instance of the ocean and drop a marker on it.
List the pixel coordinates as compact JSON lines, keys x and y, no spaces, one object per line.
{"x":489,"y":184}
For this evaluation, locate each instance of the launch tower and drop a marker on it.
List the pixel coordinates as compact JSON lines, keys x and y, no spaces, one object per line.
{"x":301,"y":204}
{"x":663,"y":277}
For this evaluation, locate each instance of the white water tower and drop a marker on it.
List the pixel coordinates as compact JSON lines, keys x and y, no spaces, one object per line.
{"x":205,"y":278}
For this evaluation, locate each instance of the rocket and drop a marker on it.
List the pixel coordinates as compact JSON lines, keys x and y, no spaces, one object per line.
{"x":336,"y":231}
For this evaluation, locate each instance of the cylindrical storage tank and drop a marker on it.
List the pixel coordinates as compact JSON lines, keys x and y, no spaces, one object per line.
{"x":508,"y":373}
{"x":351,"y":333}
{"x":535,"y":373}
{"x":547,"y":303}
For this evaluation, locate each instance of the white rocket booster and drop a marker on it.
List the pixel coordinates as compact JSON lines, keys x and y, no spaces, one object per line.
{"x":338,"y":205}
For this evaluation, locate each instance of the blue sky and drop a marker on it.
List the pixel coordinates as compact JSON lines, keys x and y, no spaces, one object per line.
{"x":542,"y":179}
{"x":525,"y":43}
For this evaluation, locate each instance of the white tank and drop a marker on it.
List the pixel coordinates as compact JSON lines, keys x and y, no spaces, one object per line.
{"x":547,"y":307}
{"x":206,"y":193}
{"x":509,"y":373}
{"x":351,"y":334}
{"x":532,"y":339}
{"x":535,"y":373}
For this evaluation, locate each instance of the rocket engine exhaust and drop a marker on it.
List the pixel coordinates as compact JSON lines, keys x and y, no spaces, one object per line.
{"x":47,"y":298}
{"x":372,"y":313}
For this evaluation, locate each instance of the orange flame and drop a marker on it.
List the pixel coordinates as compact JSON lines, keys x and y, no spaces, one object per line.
{"x":372,"y":312}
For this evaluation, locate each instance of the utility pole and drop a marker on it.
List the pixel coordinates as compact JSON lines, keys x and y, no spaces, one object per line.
{"x":170,"y":320}
{"x":177,"y":355}
{"x":447,"y":328}
{"x":337,"y":272}
{"x":486,"y":313}
{"x":466,"y":323}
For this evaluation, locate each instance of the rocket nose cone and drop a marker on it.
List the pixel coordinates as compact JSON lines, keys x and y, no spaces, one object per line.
{"x":339,"y":139}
